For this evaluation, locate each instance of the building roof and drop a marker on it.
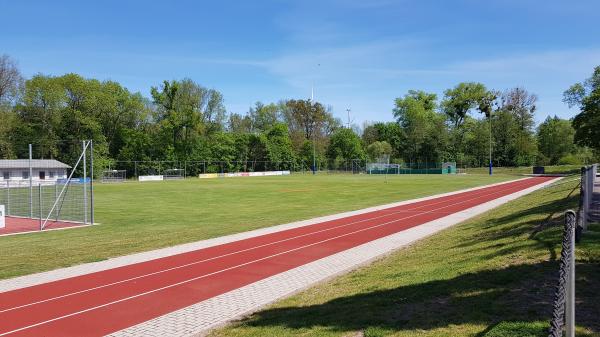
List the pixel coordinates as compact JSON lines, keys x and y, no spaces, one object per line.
{"x":35,"y":163}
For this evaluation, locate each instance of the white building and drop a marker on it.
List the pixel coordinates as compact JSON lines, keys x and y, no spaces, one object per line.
{"x":44,"y":171}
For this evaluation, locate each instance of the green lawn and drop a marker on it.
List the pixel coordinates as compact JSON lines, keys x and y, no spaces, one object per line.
{"x":556,"y":169}
{"x":494,"y":275}
{"x":137,"y":216}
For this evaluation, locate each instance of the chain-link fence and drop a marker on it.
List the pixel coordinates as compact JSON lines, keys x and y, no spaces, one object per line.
{"x":135,"y":169}
{"x":564,"y":298}
{"x":38,"y":192}
{"x":563,"y":315}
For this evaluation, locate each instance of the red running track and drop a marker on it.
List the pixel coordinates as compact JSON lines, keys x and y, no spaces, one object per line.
{"x":103,"y":302}
{"x":16,"y":225}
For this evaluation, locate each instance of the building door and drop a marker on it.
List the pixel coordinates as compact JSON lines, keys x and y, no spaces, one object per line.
{"x":42,"y":175}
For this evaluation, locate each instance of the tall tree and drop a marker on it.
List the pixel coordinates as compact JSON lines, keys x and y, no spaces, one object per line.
{"x":555,"y":139}
{"x":42,"y":110}
{"x":522,"y":106}
{"x":309,"y":122}
{"x":345,"y":145}
{"x":10,"y":79}
{"x":586,"y":96}
{"x":461,"y":99}
{"x":389,"y":132}
{"x":188,"y":110}
{"x":239,"y":123}
{"x":458,"y":102}
{"x":379,"y":149}
{"x":264,"y":116}
{"x":424,"y":129}
{"x":306,"y":116}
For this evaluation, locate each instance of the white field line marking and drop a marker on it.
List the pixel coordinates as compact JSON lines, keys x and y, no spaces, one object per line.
{"x":224,"y":270}
{"x":228,"y":254}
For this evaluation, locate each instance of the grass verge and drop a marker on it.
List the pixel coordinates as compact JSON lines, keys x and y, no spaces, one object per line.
{"x":491,"y":276}
{"x":143,"y":216}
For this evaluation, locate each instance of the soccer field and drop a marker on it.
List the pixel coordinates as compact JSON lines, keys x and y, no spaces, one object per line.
{"x":137,"y":216}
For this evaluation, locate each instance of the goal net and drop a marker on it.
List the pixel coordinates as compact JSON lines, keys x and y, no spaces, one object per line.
{"x":114,"y":176}
{"x":173,"y":174}
{"x":39,"y":193}
{"x":383,"y":166}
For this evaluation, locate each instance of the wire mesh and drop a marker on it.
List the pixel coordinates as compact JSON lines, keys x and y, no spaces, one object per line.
{"x":48,"y":190}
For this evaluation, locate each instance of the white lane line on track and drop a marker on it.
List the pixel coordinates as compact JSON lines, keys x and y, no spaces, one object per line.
{"x":230,"y":268}
{"x":238,"y":252}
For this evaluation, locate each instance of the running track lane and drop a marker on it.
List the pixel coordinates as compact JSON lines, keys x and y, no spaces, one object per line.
{"x":104,"y":302}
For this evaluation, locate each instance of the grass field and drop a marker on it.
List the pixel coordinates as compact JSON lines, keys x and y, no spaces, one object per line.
{"x":494,"y":275}
{"x":558,"y":169}
{"x":137,"y":217}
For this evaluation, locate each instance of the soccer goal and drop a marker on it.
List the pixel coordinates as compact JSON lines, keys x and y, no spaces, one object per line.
{"x":173,"y":174}
{"x":383,"y":166}
{"x":114,"y":176}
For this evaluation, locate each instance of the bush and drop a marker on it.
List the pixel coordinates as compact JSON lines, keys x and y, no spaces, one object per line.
{"x":569,"y":159}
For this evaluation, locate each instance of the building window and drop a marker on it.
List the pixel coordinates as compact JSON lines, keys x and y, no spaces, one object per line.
{"x":25,"y":174}
{"x":42,"y":175}
{"x":51,"y":174}
{"x":6,"y":175}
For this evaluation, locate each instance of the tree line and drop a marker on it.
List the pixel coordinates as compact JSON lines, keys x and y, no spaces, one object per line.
{"x":185,"y":121}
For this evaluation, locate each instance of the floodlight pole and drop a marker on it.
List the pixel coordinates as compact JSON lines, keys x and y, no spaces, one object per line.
{"x":30,"y":184}
{"x":348,"y":111}
{"x":312,"y":96}
{"x":491,"y":165}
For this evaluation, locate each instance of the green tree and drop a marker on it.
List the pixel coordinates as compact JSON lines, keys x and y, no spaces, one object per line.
{"x":378,"y":149}
{"x":476,"y":141}
{"x":41,"y":110}
{"x":279,"y":146}
{"x":458,"y":102}
{"x":187,"y":110}
{"x":239,"y":123}
{"x":308,"y":121}
{"x":461,"y":99}
{"x":264,"y":116}
{"x":389,"y":132}
{"x":10,"y":80}
{"x":522,"y":106}
{"x":344,"y":146}
{"x":8,"y":128}
{"x":555,"y":139}
{"x":424,"y":129}
{"x":586,"y":96}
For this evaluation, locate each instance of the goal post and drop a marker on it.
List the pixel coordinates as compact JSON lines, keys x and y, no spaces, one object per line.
{"x":114,"y":176}
{"x":173,"y":174}
{"x":72,"y":196}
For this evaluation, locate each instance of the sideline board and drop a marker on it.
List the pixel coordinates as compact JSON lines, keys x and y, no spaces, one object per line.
{"x":150,"y":178}
{"x":243,"y":174}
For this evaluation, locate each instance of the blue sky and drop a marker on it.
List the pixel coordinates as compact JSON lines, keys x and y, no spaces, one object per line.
{"x":359,"y":54}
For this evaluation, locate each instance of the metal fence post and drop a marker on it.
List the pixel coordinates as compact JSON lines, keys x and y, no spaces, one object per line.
{"x":55,"y":198}
{"x":91,"y":142}
{"x":583,"y":191}
{"x":8,"y":197}
{"x":40,"y":203}
{"x":570,"y":291}
{"x":84,"y":183}
{"x":563,"y":313}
